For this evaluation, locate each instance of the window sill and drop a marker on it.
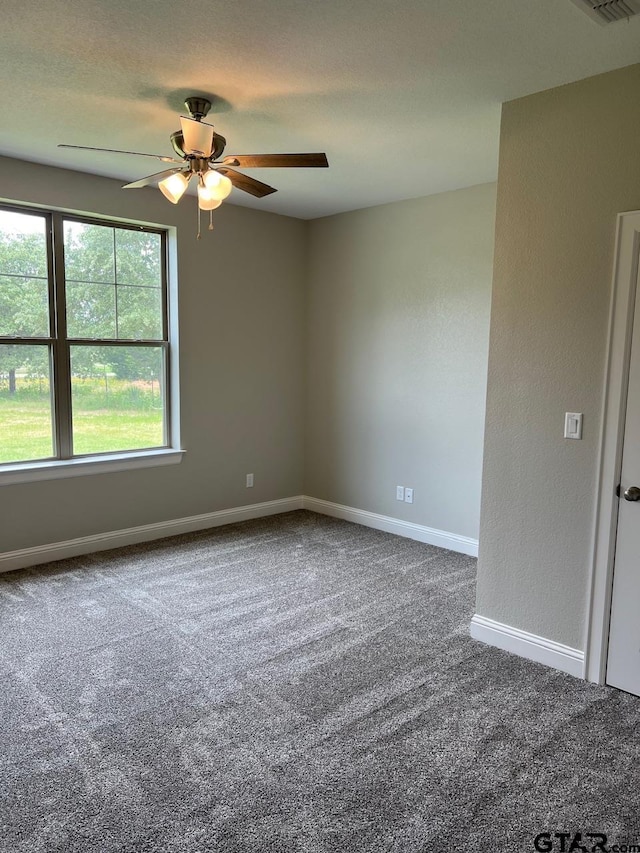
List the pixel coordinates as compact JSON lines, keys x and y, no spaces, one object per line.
{"x":29,"y":472}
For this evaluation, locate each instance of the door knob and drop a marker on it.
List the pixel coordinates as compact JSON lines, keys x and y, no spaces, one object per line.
{"x":632,"y":494}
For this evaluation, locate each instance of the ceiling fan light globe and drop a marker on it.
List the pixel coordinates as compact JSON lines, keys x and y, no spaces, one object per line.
{"x":207,"y":201}
{"x":219,"y":186}
{"x":174,"y":187}
{"x":211,"y":179}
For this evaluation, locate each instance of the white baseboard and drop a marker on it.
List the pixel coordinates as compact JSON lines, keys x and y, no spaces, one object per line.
{"x":440,"y":538}
{"x":25,"y":557}
{"x":145,"y":533}
{"x":528,"y":645}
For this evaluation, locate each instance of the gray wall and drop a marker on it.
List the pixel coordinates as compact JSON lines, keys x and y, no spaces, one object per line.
{"x":569,"y":162}
{"x":241,"y":312}
{"x":398,"y":314}
{"x":393,"y":303}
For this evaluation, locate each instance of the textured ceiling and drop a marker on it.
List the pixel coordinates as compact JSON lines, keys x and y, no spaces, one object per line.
{"x":403,"y":95}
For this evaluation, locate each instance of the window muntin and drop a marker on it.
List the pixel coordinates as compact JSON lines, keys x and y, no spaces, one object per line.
{"x":94,"y":296}
{"x":113,"y":281}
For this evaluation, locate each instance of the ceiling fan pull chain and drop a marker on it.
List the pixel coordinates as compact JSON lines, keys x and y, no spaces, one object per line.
{"x":211,"y":220}
{"x":198,"y":235}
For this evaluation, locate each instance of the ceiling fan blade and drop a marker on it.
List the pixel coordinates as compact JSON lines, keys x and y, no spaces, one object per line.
{"x":117,"y":151}
{"x":247,"y":184}
{"x":262,"y":161}
{"x":151,"y":179}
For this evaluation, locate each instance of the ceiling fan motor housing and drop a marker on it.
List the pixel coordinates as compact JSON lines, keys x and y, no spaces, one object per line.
{"x":177,"y":142}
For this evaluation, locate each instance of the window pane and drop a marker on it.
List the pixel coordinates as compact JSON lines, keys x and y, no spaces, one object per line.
{"x":117,"y":398}
{"x":89,"y":252}
{"x":139,"y":312}
{"x":138,"y":258}
{"x":24,"y":244}
{"x":91,"y":310}
{"x":25,"y":403}
{"x":24,"y":308}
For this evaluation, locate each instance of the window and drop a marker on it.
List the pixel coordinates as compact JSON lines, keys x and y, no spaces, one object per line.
{"x":84,"y":338}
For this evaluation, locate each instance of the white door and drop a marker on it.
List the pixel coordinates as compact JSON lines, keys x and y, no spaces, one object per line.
{"x":623,"y":661}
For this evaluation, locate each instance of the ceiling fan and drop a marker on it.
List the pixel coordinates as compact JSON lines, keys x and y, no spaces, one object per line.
{"x":200,"y":148}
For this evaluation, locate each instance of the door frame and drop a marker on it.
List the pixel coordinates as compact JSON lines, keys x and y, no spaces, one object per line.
{"x":623,"y":297}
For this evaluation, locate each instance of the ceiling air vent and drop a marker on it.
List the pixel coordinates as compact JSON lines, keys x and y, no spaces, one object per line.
{"x":609,"y":11}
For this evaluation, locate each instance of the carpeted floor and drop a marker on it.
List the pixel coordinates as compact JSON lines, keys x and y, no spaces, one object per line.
{"x":290,"y":684}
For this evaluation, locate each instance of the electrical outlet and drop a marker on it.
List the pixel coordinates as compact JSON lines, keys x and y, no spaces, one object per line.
{"x":399,"y":493}
{"x":408,"y":496}
{"x":249,"y":481}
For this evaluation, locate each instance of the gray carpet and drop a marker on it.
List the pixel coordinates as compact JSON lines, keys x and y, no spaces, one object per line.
{"x":290,"y":684}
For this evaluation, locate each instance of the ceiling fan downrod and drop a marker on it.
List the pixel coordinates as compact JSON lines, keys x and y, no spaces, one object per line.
{"x":197,"y":107}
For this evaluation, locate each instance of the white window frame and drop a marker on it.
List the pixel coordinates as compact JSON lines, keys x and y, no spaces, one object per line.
{"x":65,"y":465}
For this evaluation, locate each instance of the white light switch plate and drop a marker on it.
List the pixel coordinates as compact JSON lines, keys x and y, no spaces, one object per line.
{"x":573,"y":425}
{"x":408,"y":496}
